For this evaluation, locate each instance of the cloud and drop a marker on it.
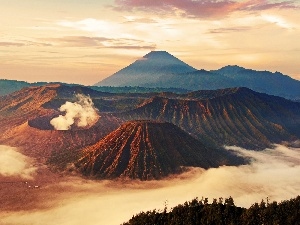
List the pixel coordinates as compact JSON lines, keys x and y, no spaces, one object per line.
{"x":100,"y":42}
{"x":277,"y":21}
{"x":105,"y":28}
{"x":11,"y":44}
{"x":81,"y":113}
{"x":79,"y":41}
{"x":202,"y":8}
{"x":273,"y":173}
{"x":113,"y":37}
{"x":149,"y":47}
{"x":23,"y":43}
{"x":15,"y":164}
{"x":267,"y":4}
{"x":138,"y":19}
{"x":229,"y":30}
{"x":127,"y":33}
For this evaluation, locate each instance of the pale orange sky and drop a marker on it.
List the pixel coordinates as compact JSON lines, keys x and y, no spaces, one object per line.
{"x":85,"y":41}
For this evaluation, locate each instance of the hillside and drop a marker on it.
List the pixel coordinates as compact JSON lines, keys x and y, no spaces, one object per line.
{"x":149,"y":150}
{"x":25,"y":122}
{"x":263,"y":81}
{"x":10,"y":86}
{"x":196,"y":80}
{"x":233,"y":76}
{"x":236,"y":116}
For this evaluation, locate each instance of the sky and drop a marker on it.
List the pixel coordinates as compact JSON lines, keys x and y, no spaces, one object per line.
{"x":86,"y":41}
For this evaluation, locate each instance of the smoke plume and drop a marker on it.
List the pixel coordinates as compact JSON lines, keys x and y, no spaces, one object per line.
{"x":81,"y":113}
{"x":14,"y":164}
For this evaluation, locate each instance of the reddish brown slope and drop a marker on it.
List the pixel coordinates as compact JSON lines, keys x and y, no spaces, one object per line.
{"x":25,"y":123}
{"x":149,"y":150}
{"x":236,"y":116}
{"x":37,"y":142}
{"x":26,"y":104}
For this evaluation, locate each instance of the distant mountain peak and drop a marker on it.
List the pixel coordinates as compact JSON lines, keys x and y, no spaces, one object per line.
{"x":155,"y":54}
{"x":147,"y":70}
{"x":164,"y":59}
{"x":160,"y":69}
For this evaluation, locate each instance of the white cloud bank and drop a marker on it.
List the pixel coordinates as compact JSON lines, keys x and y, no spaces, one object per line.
{"x":273,"y":173}
{"x":15,"y":164}
{"x":82,"y":113}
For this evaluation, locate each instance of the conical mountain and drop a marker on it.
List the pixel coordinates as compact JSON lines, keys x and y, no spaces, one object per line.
{"x":147,"y":70}
{"x":149,"y":150}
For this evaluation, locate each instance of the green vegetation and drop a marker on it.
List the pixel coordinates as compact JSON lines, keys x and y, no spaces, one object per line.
{"x":222,"y":213}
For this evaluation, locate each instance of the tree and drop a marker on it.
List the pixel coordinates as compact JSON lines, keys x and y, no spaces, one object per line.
{"x":229,"y":201}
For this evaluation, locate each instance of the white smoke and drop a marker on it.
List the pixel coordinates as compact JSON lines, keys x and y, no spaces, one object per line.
{"x":82,"y":113}
{"x":14,"y":164}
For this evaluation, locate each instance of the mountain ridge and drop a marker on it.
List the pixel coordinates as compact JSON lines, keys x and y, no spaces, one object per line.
{"x":236,"y":116}
{"x":148,"y":75}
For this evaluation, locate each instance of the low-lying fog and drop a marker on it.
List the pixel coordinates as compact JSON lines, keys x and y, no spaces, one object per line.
{"x":14,"y":164}
{"x":273,"y":173}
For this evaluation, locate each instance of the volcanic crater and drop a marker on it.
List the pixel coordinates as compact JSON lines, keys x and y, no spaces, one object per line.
{"x":44,"y":123}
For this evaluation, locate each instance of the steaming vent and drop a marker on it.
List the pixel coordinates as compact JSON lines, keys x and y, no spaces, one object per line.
{"x":43,"y":123}
{"x":78,"y":115}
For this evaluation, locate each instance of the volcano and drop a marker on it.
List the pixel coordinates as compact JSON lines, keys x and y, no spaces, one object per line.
{"x":234,"y":116}
{"x":147,"y":70}
{"x":160,"y":69}
{"x":149,"y":150}
{"x":25,"y":122}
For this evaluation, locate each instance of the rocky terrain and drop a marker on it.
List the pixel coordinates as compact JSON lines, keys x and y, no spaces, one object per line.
{"x":149,"y":150}
{"x":235,"y":116}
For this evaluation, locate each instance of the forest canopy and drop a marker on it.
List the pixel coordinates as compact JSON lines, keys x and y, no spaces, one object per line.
{"x":222,"y":212}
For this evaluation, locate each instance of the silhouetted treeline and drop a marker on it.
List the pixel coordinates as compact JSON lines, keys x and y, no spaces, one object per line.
{"x":222,"y":212}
